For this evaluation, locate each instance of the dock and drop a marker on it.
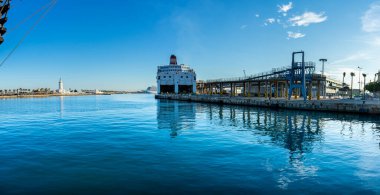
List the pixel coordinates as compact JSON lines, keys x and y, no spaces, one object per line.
{"x":370,"y":107}
{"x":297,"y":86}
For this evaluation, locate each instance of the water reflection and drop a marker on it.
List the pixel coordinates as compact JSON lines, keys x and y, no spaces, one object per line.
{"x":61,"y":106}
{"x":175,"y":116}
{"x":289,"y":129}
{"x":301,"y":133}
{"x":297,"y":131}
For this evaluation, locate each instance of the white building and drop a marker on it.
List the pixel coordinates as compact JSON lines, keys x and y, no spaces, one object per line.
{"x":174,"y":78}
{"x":92,"y":91}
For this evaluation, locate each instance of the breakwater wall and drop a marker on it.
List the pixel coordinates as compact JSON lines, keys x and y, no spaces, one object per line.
{"x":344,"y":106}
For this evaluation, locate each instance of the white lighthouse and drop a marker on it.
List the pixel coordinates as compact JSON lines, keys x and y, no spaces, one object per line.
{"x":60,"y":86}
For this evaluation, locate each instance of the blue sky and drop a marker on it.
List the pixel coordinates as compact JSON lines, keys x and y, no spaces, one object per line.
{"x":118,"y":44}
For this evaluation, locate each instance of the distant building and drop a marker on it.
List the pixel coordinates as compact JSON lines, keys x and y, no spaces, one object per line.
{"x":174,"y":78}
{"x":92,"y":91}
{"x":333,"y":87}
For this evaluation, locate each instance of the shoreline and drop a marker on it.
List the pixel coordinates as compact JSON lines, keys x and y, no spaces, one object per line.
{"x":369,"y":107}
{"x":59,"y":95}
{"x":45,"y":95}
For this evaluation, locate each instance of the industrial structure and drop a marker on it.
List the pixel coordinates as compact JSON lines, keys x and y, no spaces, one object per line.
{"x":174,"y":78}
{"x":294,"y":81}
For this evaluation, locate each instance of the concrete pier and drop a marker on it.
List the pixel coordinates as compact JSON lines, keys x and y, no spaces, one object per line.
{"x":343,"y":106}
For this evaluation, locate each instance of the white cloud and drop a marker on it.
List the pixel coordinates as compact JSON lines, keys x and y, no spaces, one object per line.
{"x":295,"y":35}
{"x":371,"y":18}
{"x":371,"y":39}
{"x":242,"y":27}
{"x":257,"y":15}
{"x":367,"y":59}
{"x":357,"y":57}
{"x":270,"y":20}
{"x":376,"y":41}
{"x":307,"y":18}
{"x":285,"y":8}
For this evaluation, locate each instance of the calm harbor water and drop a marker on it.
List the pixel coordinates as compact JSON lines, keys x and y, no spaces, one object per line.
{"x":136,"y":144}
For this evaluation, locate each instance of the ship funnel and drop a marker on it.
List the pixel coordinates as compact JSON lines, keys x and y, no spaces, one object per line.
{"x":173,"y":60}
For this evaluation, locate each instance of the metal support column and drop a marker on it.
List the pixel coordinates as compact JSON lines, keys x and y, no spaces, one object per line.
{"x":309,"y":90}
{"x":319,"y":90}
{"x":221,"y":88}
{"x":286,"y":89}
{"x":231,"y":91}
{"x":244,"y":89}
{"x":258,"y":89}
{"x":249,"y":89}
{"x":276,"y":92}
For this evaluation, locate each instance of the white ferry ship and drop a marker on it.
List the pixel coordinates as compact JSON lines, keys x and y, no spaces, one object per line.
{"x":174,"y":78}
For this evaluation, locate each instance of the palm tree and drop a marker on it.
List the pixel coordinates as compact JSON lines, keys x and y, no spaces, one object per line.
{"x":352,"y":82}
{"x":344,"y":75}
{"x":364,"y":75}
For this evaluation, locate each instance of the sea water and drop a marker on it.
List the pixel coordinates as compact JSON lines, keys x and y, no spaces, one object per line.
{"x":135,"y":144}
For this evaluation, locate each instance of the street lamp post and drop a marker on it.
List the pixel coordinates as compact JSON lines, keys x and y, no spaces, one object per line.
{"x":323,"y":74}
{"x":323,"y":65}
{"x":352,"y":83}
{"x":360,"y":82}
{"x":364,"y":76}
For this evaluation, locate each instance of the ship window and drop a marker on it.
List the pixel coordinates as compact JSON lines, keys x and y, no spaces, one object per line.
{"x":195,"y":78}
{"x":181,"y":76}
{"x":187,"y":76}
{"x":158,"y":77}
{"x":170,"y":76}
{"x":164,"y":77}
